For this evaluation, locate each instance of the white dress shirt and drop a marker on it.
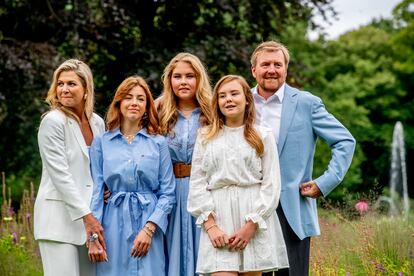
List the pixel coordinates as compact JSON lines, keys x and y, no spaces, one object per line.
{"x":269,"y":112}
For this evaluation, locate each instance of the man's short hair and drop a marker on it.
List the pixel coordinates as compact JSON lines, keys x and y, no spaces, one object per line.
{"x":269,"y":46}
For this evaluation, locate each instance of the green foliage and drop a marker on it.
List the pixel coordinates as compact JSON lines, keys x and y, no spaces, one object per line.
{"x":16,"y":260}
{"x":24,"y":70}
{"x":368,"y":245}
{"x":18,"y":250}
{"x":356,"y":77}
{"x":403,"y":41}
{"x":117,"y":39}
{"x":364,"y":77}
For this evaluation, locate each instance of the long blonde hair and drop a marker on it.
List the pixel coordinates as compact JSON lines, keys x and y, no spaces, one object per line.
{"x":250,"y":134}
{"x":168,"y":102}
{"x":84,"y":73}
{"x":114,"y":116}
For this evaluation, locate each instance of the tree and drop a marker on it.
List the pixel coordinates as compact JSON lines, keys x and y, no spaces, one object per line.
{"x":118,"y":39}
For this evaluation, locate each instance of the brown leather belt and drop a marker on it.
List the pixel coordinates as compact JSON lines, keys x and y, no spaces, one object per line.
{"x":181,"y":170}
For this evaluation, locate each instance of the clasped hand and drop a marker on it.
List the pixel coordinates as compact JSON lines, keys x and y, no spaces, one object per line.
{"x":96,"y":248}
{"x":237,"y":241}
{"x":96,"y":252}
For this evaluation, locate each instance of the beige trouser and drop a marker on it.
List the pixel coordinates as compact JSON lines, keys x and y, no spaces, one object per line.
{"x":65,"y":259}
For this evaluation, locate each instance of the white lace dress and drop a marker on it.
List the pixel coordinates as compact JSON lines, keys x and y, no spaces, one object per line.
{"x":230,"y":181}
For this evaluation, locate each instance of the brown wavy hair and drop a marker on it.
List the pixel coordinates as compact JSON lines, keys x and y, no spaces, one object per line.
{"x":250,"y":134}
{"x":84,"y":73}
{"x":168,"y":100}
{"x":114,"y":115}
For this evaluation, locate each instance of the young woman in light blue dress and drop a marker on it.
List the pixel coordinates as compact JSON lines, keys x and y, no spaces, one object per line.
{"x":184,"y":107}
{"x":133,"y":161}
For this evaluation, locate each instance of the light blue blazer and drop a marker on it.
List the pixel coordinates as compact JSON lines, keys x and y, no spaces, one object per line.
{"x":304,"y":119}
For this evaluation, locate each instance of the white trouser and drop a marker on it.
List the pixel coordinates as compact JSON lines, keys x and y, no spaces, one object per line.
{"x":65,"y":259}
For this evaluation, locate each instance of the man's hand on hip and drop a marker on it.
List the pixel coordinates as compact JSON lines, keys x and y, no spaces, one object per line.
{"x":310,"y":189}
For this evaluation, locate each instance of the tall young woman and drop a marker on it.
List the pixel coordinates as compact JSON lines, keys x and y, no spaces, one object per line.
{"x":133,"y":161}
{"x":235,"y":187}
{"x":184,"y":107}
{"x":61,"y":211}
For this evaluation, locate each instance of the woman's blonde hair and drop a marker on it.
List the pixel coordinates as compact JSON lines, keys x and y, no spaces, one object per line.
{"x":84,"y":73}
{"x":114,"y":115}
{"x":250,"y":134}
{"x":168,"y":102}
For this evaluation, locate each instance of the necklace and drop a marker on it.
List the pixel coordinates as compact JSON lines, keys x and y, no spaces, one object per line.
{"x":129,"y":138}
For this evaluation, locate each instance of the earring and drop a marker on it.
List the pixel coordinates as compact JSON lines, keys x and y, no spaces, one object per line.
{"x":144,"y":116}
{"x":84,"y":97}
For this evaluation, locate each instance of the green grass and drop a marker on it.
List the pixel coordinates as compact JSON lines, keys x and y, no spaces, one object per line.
{"x":19,"y":254}
{"x":16,"y":260}
{"x":372,"y":244}
{"x":350,"y":244}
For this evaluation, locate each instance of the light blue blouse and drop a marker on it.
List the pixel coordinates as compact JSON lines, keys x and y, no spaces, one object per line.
{"x":181,"y":141}
{"x":140,"y":178}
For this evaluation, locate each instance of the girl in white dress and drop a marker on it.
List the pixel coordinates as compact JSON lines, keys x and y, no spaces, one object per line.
{"x":235,"y":188}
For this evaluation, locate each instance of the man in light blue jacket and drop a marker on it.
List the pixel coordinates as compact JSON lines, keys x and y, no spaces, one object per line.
{"x":297,"y":119}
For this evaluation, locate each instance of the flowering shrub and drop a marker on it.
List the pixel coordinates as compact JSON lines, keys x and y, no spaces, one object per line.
{"x":18,"y":250}
{"x":362,"y":207}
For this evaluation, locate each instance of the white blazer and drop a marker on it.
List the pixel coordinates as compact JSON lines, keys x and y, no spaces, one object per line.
{"x":66,"y":186}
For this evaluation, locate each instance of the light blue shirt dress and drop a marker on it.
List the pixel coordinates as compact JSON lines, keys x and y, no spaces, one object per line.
{"x":140,"y":178}
{"x":182,"y":233}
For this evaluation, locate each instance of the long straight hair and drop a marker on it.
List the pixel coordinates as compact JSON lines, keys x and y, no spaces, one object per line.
{"x":250,"y":134}
{"x":168,"y":103}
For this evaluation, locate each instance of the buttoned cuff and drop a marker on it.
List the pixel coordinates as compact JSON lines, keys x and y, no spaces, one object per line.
{"x":159,"y":218}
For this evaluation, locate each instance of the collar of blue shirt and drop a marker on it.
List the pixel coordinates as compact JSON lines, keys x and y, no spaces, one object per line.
{"x":117,"y":132}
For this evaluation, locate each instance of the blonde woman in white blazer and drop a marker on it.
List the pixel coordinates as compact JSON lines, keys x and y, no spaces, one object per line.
{"x":62,"y":218}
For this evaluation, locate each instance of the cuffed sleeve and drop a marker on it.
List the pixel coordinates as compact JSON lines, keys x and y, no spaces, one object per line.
{"x":255,"y":218}
{"x":341,"y":142}
{"x":166,"y":192}
{"x":203,"y":217}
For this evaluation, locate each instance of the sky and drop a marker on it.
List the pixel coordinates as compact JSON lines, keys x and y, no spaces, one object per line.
{"x":355,"y":13}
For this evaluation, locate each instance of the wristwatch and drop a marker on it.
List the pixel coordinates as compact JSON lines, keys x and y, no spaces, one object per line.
{"x":93,"y":237}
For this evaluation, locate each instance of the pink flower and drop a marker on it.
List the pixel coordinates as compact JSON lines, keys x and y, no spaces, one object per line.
{"x":362,"y":207}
